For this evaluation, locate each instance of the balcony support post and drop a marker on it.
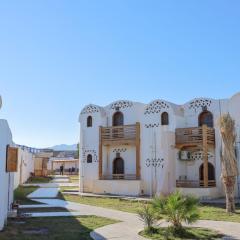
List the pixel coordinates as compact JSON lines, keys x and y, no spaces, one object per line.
{"x":205,"y":155}
{"x":138,"y":168}
{"x":100,"y":154}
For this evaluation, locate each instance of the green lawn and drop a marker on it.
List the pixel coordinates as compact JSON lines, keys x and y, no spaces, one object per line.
{"x":189,"y":233}
{"x":207,"y":212}
{"x":49,"y":209}
{"x":74,"y":178}
{"x":20,"y":195}
{"x":39,"y":180}
{"x":54,"y":228}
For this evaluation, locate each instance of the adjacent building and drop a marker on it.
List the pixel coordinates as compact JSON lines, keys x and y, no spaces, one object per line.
{"x":133,"y":148}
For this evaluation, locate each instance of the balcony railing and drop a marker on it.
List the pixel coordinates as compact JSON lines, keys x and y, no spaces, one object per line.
{"x":125,"y":133}
{"x":119,"y":177}
{"x":194,"y":184}
{"x":194,"y":136}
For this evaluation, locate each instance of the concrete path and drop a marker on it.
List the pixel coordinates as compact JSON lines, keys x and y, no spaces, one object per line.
{"x":130,"y":223}
{"x":44,"y":193}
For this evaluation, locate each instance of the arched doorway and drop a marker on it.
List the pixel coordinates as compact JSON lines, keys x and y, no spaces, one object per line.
{"x":118,"y":166}
{"x":118,"y":119}
{"x":211,"y":172}
{"x":205,"y":118}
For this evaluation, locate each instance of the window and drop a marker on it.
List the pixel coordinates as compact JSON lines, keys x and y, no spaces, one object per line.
{"x":118,"y":119}
{"x":205,"y":118}
{"x":89,"y":121}
{"x":164,"y":118}
{"x":89,"y":158}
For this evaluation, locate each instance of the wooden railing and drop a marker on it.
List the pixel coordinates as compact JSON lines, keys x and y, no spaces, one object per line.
{"x":119,"y":177}
{"x":118,"y":133}
{"x":194,"y":136}
{"x":194,"y":184}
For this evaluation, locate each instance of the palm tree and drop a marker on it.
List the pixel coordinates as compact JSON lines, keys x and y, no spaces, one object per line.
{"x":177,"y":209}
{"x":228,"y":160}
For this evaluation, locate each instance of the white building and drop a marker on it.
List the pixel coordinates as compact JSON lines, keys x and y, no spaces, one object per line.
{"x":6,"y":178}
{"x":136,"y":149}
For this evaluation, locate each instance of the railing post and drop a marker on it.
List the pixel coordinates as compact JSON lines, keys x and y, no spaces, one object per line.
{"x":205,"y":155}
{"x":100,"y":154}
{"x":138,"y":168}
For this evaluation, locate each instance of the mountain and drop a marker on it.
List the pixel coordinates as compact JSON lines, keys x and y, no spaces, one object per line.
{"x":64,"y":147}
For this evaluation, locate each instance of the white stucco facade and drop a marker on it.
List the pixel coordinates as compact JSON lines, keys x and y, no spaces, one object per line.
{"x":25,"y":166}
{"x":160,"y":166}
{"x":6,"y":179}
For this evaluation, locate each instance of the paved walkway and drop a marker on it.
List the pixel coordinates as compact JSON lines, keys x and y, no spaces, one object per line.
{"x":44,"y":193}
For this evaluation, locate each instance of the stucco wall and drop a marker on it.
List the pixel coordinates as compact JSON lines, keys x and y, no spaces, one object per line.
{"x":6,"y":179}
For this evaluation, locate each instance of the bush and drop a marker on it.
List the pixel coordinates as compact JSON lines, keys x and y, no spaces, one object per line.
{"x":148,"y":216}
{"x":177,"y":209}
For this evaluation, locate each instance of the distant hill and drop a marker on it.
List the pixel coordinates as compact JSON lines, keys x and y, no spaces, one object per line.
{"x":64,"y":147}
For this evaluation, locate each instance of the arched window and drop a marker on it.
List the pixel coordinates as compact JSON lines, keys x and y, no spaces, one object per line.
{"x":205,"y":118}
{"x":118,"y":166}
{"x":118,"y":119}
{"x":164,"y":118}
{"x":89,"y":158}
{"x":211,"y":172}
{"x":89,"y":121}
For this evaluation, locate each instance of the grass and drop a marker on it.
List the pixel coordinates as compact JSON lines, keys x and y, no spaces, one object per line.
{"x":218,"y":213}
{"x":35,"y":180}
{"x":74,"y":178}
{"x":62,"y":189}
{"x":207,"y":212}
{"x":55,"y":228}
{"x":113,"y":203}
{"x":20,"y":195}
{"x":188,"y":233}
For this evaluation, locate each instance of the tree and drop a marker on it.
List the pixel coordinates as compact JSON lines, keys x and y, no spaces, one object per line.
{"x":228,"y":160}
{"x":177,"y":209}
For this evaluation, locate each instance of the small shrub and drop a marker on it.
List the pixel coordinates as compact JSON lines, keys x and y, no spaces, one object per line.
{"x":148,"y":215}
{"x":177,"y":209}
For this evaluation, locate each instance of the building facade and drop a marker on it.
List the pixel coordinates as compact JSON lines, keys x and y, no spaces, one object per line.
{"x":130,"y":148}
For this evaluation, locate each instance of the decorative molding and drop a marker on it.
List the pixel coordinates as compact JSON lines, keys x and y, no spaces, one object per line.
{"x":119,"y":150}
{"x":155,"y":162}
{"x":200,"y":103}
{"x":90,"y":109}
{"x":152,"y":125}
{"x":92,"y":152}
{"x":121,"y":105}
{"x":199,"y":155}
{"x":156,"y":107}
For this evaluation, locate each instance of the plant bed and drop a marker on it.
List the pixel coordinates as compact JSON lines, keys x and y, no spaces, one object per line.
{"x":35,"y":180}
{"x":20,"y":195}
{"x":167,"y":233}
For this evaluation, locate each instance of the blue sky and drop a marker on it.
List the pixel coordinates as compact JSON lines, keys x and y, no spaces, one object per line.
{"x":57,"y":56}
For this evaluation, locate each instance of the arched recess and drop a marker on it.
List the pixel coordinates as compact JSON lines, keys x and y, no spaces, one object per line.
{"x":118,"y":166}
{"x":118,"y":119}
{"x":211,"y":172}
{"x":205,"y":118}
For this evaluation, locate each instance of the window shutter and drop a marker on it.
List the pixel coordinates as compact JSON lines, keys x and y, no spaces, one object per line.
{"x":12,"y":159}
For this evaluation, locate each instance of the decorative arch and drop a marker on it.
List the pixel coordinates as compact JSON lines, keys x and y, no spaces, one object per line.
{"x":211,"y":172}
{"x":165,"y":119}
{"x":156,"y":107}
{"x":89,"y":121}
{"x":118,"y":166}
{"x":89,"y":158}
{"x":205,"y":118}
{"x":118,"y":119}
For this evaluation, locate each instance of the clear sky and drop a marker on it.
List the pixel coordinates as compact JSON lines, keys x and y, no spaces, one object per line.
{"x":57,"y":56}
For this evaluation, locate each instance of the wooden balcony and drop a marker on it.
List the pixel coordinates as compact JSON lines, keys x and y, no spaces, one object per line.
{"x":194,"y":184}
{"x":120,"y":177}
{"x":194,"y":137}
{"x":118,"y":135}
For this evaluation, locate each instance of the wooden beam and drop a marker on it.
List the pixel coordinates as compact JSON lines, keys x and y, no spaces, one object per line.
{"x":100,"y":154}
{"x":138,"y":168}
{"x":205,"y":155}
